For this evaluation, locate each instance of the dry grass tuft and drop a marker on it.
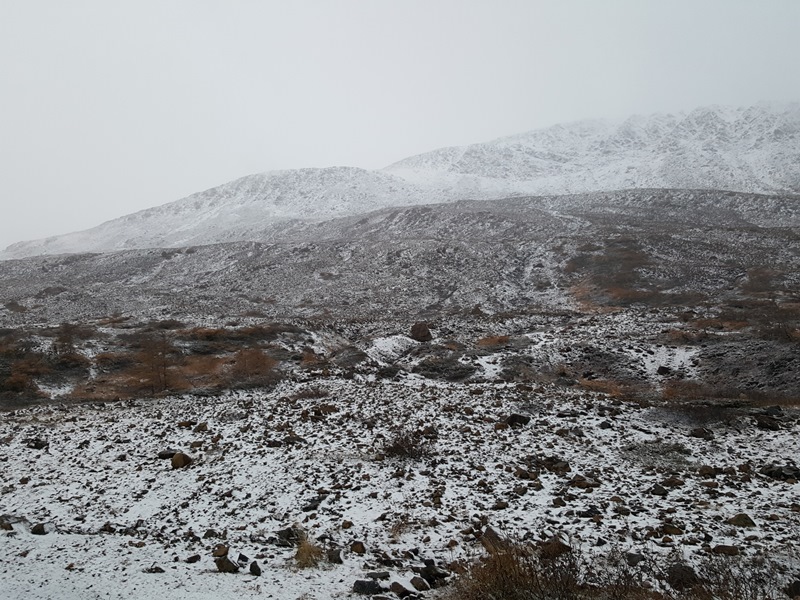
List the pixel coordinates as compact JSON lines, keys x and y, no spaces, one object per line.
{"x":308,"y":555}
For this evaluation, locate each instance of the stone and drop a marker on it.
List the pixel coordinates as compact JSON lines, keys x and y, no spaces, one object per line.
{"x":255,"y":569}
{"x":741,"y":520}
{"x":702,"y":433}
{"x":554,"y":548}
{"x":36,"y":443}
{"x":193,"y":559}
{"x":358,"y":547}
{"x":201,"y":428}
{"x":767,"y":423}
{"x":379,"y":575}
{"x":420,"y":332}
{"x":289,"y":537}
{"x":671,"y":529}
{"x":38,"y":529}
{"x":181,"y":460}
{"x":516,"y":420}
{"x":242,"y":559}
{"x":226,"y":565}
{"x":368,"y":587}
{"x":420,"y":584}
{"x":167,"y":454}
{"x":658,"y":490}
{"x":494,"y":541}
{"x":681,"y":576}
{"x":726,"y":550}
{"x":334,"y":556}
{"x":793,"y":589}
{"x":399,"y":589}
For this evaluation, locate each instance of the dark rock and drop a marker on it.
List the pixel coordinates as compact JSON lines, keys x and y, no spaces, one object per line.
{"x":553,"y":548}
{"x":181,"y":460}
{"x":255,"y":569}
{"x":768,"y":423}
{"x":36,"y":443}
{"x":242,"y":560}
{"x":793,"y":589}
{"x":420,"y":332}
{"x":633,"y":558}
{"x":313,"y":505}
{"x":741,"y":520}
{"x":368,"y":587}
{"x":663,"y":370}
{"x":726,"y":550}
{"x":167,"y":454}
{"x":517,"y":420}
{"x":226,"y":565}
{"x":494,"y":541}
{"x":193,"y":559}
{"x":334,"y":556}
{"x":783,"y":472}
{"x":658,"y":490}
{"x":289,"y":537}
{"x":420,"y":584}
{"x":358,"y":547}
{"x":154,"y":568}
{"x":379,"y":575}
{"x":682,"y":577}
{"x":38,"y":529}
{"x":702,"y":432}
{"x":399,"y":589}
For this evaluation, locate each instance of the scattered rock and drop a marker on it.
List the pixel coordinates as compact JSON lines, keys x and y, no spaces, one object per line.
{"x":255,"y":569}
{"x":368,"y":587}
{"x":399,"y":589}
{"x":193,"y":559}
{"x":784,"y":472}
{"x":702,"y":432}
{"x":420,"y":584}
{"x":167,"y":454}
{"x":768,"y":423}
{"x":358,"y":547}
{"x":181,"y":460}
{"x":226,"y":565}
{"x":726,"y":550}
{"x":494,"y":541}
{"x":741,"y":520}
{"x":554,"y":548}
{"x":39,"y":529}
{"x":658,"y":490}
{"x":334,"y":556}
{"x":516,"y":420}
{"x":682,"y":577}
{"x":36,"y":443}
{"x":420,"y":332}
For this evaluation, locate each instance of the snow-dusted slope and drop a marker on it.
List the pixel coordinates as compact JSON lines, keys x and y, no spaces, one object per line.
{"x":754,"y":149}
{"x":239,"y":210}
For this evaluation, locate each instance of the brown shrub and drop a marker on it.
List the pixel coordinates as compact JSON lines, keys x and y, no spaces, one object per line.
{"x":493,"y":340}
{"x":308,"y":554}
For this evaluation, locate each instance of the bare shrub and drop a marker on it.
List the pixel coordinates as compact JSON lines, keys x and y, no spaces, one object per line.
{"x":309,"y":554}
{"x":406,"y":444}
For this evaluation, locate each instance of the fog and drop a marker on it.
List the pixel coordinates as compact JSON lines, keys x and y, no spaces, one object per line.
{"x":111,"y":107}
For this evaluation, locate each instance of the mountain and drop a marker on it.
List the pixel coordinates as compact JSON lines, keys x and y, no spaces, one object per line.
{"x":755,"y":149}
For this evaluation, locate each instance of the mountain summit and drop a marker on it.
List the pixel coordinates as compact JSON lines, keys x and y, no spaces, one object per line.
{"x":755,"y":149}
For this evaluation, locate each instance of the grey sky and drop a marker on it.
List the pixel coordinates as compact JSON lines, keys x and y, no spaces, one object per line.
{"x":107,"y":107}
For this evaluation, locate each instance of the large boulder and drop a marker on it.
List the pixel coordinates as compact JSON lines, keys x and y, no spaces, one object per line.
{"x":420,"y":332}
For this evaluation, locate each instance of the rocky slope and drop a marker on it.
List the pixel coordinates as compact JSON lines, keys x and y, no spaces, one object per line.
{"x":756,"y":149}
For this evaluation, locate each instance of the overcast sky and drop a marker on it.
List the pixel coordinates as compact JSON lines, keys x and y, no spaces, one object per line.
{"x":107,"y":107}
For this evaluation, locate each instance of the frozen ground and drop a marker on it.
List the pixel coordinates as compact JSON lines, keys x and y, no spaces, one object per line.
{"x":314,"y":454}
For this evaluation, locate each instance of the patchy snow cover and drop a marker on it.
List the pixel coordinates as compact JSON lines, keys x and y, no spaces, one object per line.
{"x":753,"y":149}
{"x":264,"y":461}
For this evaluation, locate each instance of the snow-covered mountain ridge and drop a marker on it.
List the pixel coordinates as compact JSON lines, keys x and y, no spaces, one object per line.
{"x":755,"y":149}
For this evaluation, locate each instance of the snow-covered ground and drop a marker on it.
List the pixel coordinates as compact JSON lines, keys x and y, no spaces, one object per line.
{"x":314,"y":454}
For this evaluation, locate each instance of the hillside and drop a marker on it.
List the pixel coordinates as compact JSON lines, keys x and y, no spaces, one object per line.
{"x":756,"y":149}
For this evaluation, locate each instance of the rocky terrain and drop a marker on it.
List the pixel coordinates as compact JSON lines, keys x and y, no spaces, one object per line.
{"x":338,"y":402}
